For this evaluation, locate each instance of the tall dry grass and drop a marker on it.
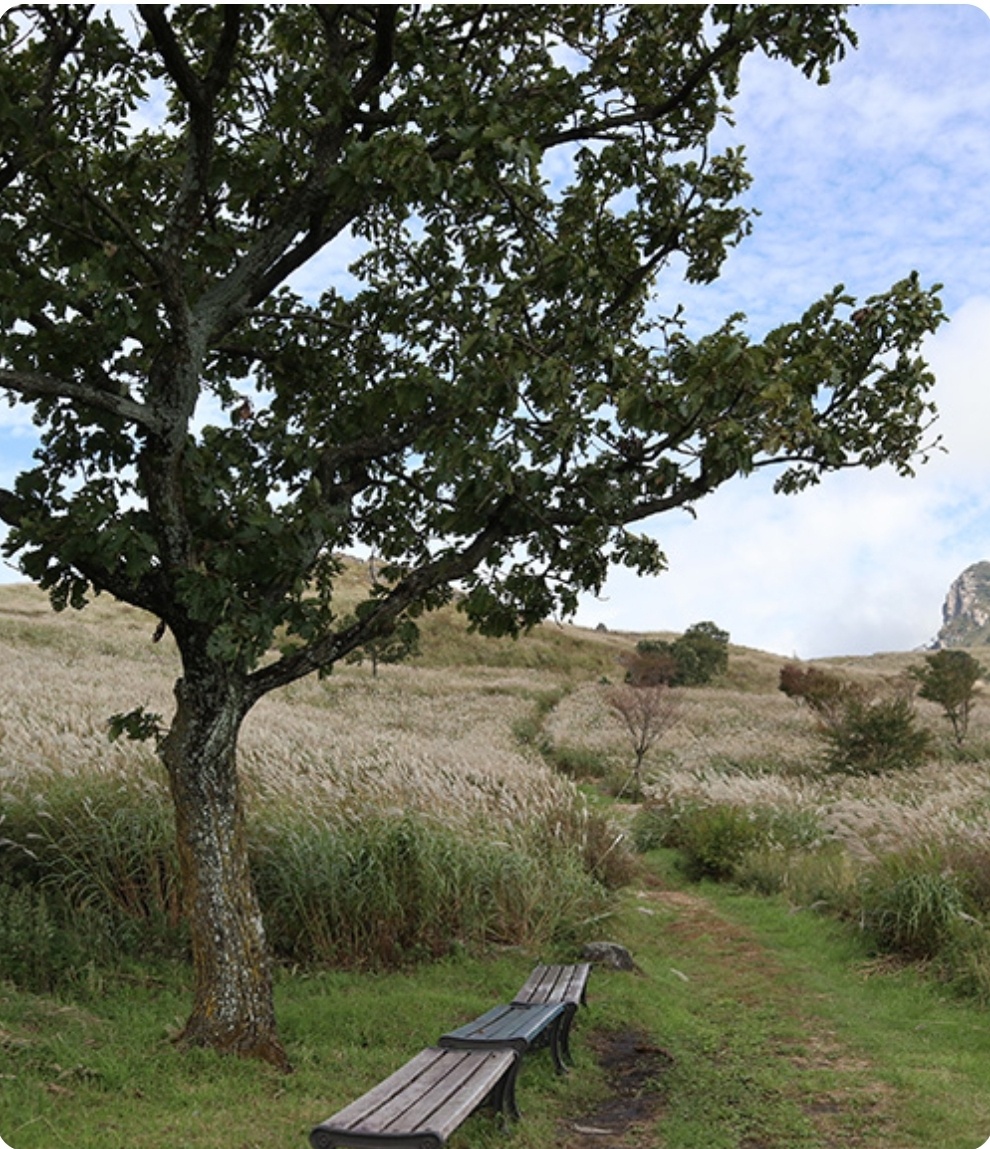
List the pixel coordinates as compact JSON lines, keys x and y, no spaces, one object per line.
{"x":416,"y":790}
{"x":740,"y":787}
{"x":390,"y":817}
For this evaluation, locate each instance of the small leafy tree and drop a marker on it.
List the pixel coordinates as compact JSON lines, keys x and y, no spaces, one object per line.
{"x":702,"y":653}
{"x":874,"y":736}
{"x":646,"y":714}
{"x":865,"y":731}
{"x":950,"y":678}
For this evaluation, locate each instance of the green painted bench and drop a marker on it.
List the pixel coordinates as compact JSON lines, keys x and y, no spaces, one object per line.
{"x":422,"y":1103}
{"x":518,"y":1026}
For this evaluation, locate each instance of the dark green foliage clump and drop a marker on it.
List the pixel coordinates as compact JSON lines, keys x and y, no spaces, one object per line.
{"x":865,"y":732}
{"x":872,"y":737}
{"x":694,"y":659}
{"x":713,"y":839}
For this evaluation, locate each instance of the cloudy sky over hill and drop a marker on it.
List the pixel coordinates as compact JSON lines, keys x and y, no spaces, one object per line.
{"x":883,"y":171}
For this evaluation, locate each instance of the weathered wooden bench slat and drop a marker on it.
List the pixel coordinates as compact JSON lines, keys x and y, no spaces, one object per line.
{"x":556,"y":983}
{"x":437,"y":1084}
{"x":421,"y":1104}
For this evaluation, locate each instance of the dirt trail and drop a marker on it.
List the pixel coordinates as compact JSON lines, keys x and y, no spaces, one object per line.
{"x":854,"y":1114}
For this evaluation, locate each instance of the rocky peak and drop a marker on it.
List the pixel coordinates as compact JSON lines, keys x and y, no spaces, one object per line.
{"x":966,"y":610}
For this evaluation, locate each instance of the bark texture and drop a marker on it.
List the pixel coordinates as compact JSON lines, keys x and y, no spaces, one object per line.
{"x":233,"y":1008}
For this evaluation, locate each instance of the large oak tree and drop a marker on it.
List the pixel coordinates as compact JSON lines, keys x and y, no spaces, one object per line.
{"x":480,"y":388}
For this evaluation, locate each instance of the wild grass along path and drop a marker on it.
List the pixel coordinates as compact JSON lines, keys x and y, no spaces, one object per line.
{"x":751,"y":1026}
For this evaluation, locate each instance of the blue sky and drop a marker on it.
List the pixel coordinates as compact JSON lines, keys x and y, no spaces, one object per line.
{"x":883,"y":171}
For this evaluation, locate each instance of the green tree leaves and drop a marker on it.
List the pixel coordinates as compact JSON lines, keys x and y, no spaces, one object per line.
{"x":483,"y":390}
{"x":279,"y":281}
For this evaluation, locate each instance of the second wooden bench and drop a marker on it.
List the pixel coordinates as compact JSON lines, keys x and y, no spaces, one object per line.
{"x":518,"y":1026}
{"x":564,"y":984}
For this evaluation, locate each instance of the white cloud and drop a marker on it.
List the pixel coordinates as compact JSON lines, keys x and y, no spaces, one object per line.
{"x":959,"y":355}
{"x":857,"y":564}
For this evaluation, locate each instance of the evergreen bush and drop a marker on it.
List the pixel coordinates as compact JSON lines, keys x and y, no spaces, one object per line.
{"x":875,"y":736}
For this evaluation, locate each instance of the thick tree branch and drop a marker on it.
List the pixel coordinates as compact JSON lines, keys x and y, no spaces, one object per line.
{"x":38,"y":385}
{"x":431,"y":576}
{"x":178,"y":67}
{"x":382,"y":57}
{"x":309,"y":210}
{"x":200,"y":96}
{"x":223,"y":59}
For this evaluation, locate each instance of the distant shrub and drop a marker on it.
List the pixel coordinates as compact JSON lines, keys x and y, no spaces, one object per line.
{"x":713,"y":840}
{"x":875,"y":736}
{"x":699,"y":655}
{"x":864,"y":732}
{"x":825,"y":694}
{"x":702,"y":654}
{"x":653,"y":664}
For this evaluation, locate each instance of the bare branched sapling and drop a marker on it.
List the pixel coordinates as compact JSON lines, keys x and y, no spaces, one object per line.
{"x":646,"y":713}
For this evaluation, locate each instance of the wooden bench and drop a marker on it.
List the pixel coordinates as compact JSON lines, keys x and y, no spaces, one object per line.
{"x":520,"y":1026}
{"x":422,"y":1103}
{"x":566,"y":984}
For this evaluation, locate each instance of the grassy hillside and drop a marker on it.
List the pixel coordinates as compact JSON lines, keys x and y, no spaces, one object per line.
{"x":420,"y":838}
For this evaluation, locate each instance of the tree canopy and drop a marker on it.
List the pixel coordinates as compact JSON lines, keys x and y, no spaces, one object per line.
{"x":284,"y":281}
{"x":486,"y":394}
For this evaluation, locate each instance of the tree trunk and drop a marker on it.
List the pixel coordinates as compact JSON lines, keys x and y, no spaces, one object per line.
{"x":233,"y":1009}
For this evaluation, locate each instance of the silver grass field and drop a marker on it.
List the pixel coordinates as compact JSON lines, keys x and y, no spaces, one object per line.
{"x":446,"y":803}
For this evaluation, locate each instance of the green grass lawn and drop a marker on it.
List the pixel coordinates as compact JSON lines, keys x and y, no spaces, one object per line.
{"x":101,"y":1073}
{"x":775,"y":1033}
